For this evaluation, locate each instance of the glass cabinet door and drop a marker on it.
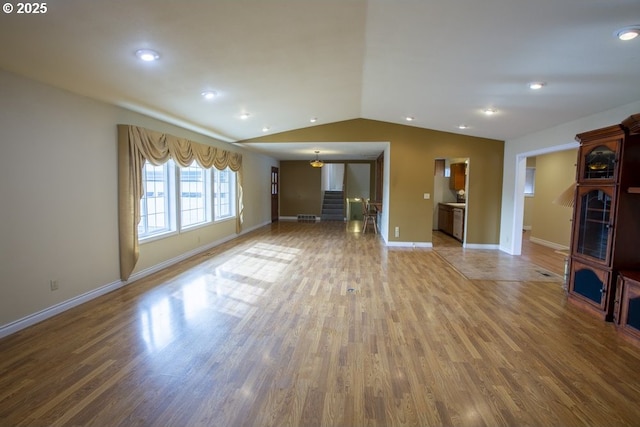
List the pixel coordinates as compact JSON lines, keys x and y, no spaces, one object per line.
{"x":594,"y":229}
{"x":598,"y":161}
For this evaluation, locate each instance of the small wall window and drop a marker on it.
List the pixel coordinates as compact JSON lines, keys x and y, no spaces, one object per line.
{"x":530,"y":182}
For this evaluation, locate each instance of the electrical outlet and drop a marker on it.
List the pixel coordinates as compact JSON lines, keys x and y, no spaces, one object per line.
{"x":53,"y":284}
{"x":397,"y":231}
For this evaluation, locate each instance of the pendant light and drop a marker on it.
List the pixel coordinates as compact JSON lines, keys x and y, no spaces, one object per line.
{"x":316,"y":163}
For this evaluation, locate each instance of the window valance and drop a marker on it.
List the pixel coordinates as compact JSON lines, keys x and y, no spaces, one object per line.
{"x":137,"y":145}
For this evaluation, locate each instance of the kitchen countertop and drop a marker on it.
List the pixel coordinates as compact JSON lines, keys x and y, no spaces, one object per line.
{"x":456,"y":205}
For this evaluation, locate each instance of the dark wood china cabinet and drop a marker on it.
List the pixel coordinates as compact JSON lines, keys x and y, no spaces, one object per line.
{"x":606,"y":217}
{"x":626,"y":314}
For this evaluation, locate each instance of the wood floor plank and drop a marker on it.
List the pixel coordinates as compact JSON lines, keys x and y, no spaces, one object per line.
{"x":314,"y":324}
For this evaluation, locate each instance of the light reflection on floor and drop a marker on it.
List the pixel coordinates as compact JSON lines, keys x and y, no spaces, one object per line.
{"x":232,"y":288}
{"x":155,"y":324}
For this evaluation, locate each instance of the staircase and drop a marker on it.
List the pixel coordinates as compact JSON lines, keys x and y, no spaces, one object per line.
{"x":333,"y":206}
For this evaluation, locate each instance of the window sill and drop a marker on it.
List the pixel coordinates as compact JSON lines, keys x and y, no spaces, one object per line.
{"x":157,"y":237}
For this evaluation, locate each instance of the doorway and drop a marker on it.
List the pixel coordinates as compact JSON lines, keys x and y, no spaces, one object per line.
{"x":357,"y":189}
{"x":333,"y":177}
{"x":547,"y":214}
{"x":450,"y":193}
{"x":514,"y":236}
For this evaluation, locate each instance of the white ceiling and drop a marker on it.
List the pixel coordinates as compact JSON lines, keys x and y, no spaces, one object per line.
{"x":286,"y":61}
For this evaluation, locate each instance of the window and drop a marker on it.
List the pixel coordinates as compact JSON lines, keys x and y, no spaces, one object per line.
{"x":202,"y":195}
{"x":530,"y":182}
{"x":195,"y":195}
{"x":155,"y":205}
{"x":224,"y":196}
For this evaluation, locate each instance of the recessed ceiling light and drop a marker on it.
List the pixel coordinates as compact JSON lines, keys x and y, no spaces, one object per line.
{"x":628,"y":33}
{"x":536,"y":85}
{"x":463,"y":127}
{"x":208,"y":94}
{"x":244,"y":116}
{"x":489,"y":111}
{"x":147,"y":55}
{"x":266,"y":129}
{"x":409,"y":118}
{"x":313,"y":120}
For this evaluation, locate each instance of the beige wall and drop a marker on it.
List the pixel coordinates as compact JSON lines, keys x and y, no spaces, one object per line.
{"x":412,"y":154}
{"x":58,"y":200}
{"x":528,"y":213}
{"x":551,"y":223}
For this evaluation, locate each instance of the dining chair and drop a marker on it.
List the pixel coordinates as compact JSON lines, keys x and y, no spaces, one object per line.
{"x":369,"y":216}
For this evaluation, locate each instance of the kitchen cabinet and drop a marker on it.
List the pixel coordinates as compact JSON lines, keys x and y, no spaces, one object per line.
{"x":451,"y":219}
{"x":606,"y":229}
{"x":458,"y":176}
{"x":445,"y":218}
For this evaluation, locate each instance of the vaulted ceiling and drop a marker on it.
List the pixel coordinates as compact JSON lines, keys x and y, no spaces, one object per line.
{"x":284,"y":62}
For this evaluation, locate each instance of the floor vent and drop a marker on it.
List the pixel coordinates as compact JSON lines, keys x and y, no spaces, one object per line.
{"x":306,"y":218}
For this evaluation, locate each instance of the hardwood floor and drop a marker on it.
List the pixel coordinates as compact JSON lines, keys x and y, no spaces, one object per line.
{"x":316,"y":324}
{"x":441,"y":239}
{"x":551,"y":259}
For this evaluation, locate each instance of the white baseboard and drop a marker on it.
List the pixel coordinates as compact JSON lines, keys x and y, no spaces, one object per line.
{"x":154,"y":269}
{"x":56,"y":309}
{"x":548,"y":244}
{"x":423,"y":245}
{"x":506,"y":249}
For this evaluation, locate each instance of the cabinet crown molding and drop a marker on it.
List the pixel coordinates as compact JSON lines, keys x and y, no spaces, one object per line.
{"x":632,"y":123}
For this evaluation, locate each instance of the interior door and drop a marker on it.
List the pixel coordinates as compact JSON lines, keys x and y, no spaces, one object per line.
{"x":275,"y":190}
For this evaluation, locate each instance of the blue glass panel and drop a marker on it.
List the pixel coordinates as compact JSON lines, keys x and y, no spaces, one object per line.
{"x":633,"y":316}
{"x":588,"y":284}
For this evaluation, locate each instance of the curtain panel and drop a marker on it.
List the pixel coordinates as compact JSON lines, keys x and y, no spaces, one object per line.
{"x":137,"y":145}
